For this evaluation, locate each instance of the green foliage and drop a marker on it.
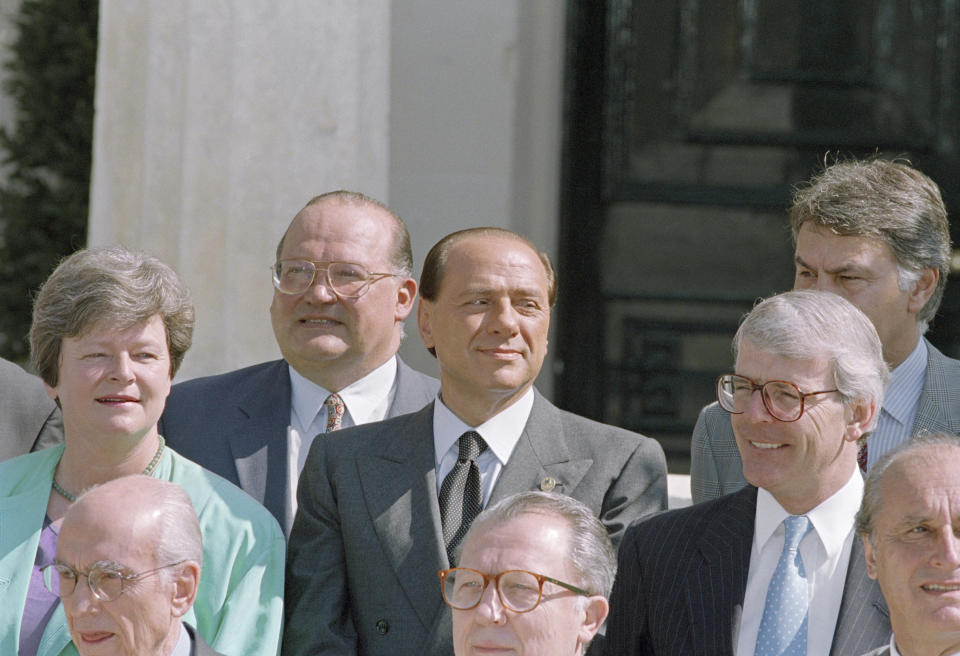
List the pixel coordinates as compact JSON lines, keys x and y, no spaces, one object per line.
{"x":46,"y":155}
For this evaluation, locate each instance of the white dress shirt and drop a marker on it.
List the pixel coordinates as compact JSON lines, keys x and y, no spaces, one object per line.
{"x":826,"y":556}
{"x":365,"y":400}
{"x":501,"y":433}
{"x":900,"y":403}
{"x":184,"y":646}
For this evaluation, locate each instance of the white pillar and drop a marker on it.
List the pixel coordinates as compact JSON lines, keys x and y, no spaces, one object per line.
{"x":215,"y":122}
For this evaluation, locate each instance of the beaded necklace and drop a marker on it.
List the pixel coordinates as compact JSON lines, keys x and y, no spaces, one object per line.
{"x":149,"y":470}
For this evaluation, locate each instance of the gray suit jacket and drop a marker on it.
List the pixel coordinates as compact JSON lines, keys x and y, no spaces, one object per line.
{"x":682,"y":576}
{"x":367,"y":542}
{"x":715,"y":467}
{"x":235,"y":424}
{"x":882,"y":651}
{"x":29,"y":419}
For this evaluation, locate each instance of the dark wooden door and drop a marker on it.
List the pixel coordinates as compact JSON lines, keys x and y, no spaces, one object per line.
{"x":687,"y":124}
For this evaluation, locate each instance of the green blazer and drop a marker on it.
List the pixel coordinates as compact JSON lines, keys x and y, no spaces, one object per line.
{"x":239,"y":606}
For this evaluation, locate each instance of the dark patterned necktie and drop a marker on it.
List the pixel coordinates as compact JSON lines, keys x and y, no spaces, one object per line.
{"x":461,"y":498}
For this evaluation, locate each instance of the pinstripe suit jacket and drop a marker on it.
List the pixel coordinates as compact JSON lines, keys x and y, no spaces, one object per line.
{"x":715,"y":467}
{"x":683,"y":574}
{"x":882,"y":651}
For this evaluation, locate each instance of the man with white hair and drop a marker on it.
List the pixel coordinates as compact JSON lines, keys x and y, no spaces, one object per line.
{"x":771,"y":568}
{"x":909,"y":523}
{"x":127,"y":570}
{"x":534,"y":576}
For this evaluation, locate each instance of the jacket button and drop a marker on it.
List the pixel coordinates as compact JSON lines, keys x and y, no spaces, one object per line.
{"x":382,"y":627}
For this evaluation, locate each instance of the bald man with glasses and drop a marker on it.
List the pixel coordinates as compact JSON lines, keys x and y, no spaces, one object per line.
{"x":343,"y":287}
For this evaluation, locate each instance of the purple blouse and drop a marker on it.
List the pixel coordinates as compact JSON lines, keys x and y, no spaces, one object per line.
{"x":40,"y":602}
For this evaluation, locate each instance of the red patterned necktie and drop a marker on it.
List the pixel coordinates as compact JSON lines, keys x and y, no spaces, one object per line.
{"x":335,"y":410}
{"x":862,"y":455}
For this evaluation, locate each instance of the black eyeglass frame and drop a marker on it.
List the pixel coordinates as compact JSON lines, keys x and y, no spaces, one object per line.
{"x":371,"y":276}
{"x":444,"y":573}
{"x":755,"y":386}
{"x":107,"y":567}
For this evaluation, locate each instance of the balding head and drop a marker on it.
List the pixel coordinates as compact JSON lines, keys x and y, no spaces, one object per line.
{"x":146,"y":531}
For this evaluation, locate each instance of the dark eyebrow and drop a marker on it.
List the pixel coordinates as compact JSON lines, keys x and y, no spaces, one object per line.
{"x":846,"y":268}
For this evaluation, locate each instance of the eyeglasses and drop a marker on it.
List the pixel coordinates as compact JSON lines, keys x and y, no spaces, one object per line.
{"x":345,"y":279}
{"x":518,"y":589}
{"x":105,"y":578}
{"x":782,"y":399}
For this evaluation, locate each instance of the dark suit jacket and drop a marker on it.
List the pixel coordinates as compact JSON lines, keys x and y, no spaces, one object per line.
{"x":715,"y":466}
{"x":235,"y":424}
{"x":682,"y":576}
{"x":198,"y":646}
{"x":29,"y":419}
{"x":367,"y":542}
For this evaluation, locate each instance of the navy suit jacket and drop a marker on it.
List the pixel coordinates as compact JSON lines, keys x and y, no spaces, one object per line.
{"x":235,"y":424}
{"x":682,"y":577}
{"x":367,"y":541}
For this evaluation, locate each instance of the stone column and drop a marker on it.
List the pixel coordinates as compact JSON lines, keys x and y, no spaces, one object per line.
{"x":216,"y":121}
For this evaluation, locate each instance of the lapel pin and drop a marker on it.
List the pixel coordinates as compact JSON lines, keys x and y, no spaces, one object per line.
{"x":548,"y":483}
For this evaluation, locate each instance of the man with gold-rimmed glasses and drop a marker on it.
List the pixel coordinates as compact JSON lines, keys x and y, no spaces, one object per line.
{"x":128,"y":565}
{"x":342,"y":286}
{"x":534,"y":576}
{"x":773,"y":568}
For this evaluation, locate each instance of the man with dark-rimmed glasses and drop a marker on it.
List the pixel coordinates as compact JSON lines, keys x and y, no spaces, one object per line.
{"x":128,"y":566}
{"x":772,"y":568}
{"x":534,"y":576}
{"x":342,"y":287}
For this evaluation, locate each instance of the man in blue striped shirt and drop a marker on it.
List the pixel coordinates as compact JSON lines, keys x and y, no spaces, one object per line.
{"x":875,"y":232}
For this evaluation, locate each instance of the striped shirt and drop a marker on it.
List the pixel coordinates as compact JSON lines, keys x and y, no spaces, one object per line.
{"x":900,"y":403}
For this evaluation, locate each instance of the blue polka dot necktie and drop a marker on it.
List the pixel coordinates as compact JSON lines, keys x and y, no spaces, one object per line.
{"x":783,"y":629}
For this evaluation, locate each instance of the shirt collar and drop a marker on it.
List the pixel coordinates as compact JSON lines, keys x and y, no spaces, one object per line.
{"x":184,"y":646}
{"x":361,"y":397}
{"x":832,"y":520}
{"x":501,"y":432}
{"x":906,"y":384}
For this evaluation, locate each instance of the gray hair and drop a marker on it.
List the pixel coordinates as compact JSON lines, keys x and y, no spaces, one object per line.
{"x":807,"y":324}
{"x":590,"y":551}
{"x":401,"y":253}
{"x":872,"y":500}
{"x":112,"y":285}
{"x":888,"y":201}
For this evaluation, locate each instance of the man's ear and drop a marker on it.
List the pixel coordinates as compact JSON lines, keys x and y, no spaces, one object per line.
{"x":406,"y":295}
{"x":859,"y":419}
{"x":923,"y":289}
{"x":424,"y":316}
{"x":594,"y":614}
{"x":870,"y":556}
{"x":185,"y":584}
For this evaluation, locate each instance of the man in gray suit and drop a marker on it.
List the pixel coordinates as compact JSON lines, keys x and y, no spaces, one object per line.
{"x":773,"y":568}
{"x":383,"y":507}
{"x":876,"y":233}
{"x":29,"y":419}
{"x":342,"y":289}
{"x":909,"y":522}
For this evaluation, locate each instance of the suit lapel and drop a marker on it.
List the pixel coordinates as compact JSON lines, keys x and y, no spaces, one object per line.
{"x":863,"y":622}
{"x":541,"y":459}
{"x":411,"y":394}
{"x":258,"y":438}
{"x":717,"y":582}
{"x":400,"y":490}
{"x":938,"y":398}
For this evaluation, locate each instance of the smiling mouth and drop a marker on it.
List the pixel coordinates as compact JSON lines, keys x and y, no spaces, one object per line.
{"x":112,"y":400}
{"x":936,"y":587}
{"x":766,"y":446}
{"x":320,"y":322}
{"x":95,"y":636}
